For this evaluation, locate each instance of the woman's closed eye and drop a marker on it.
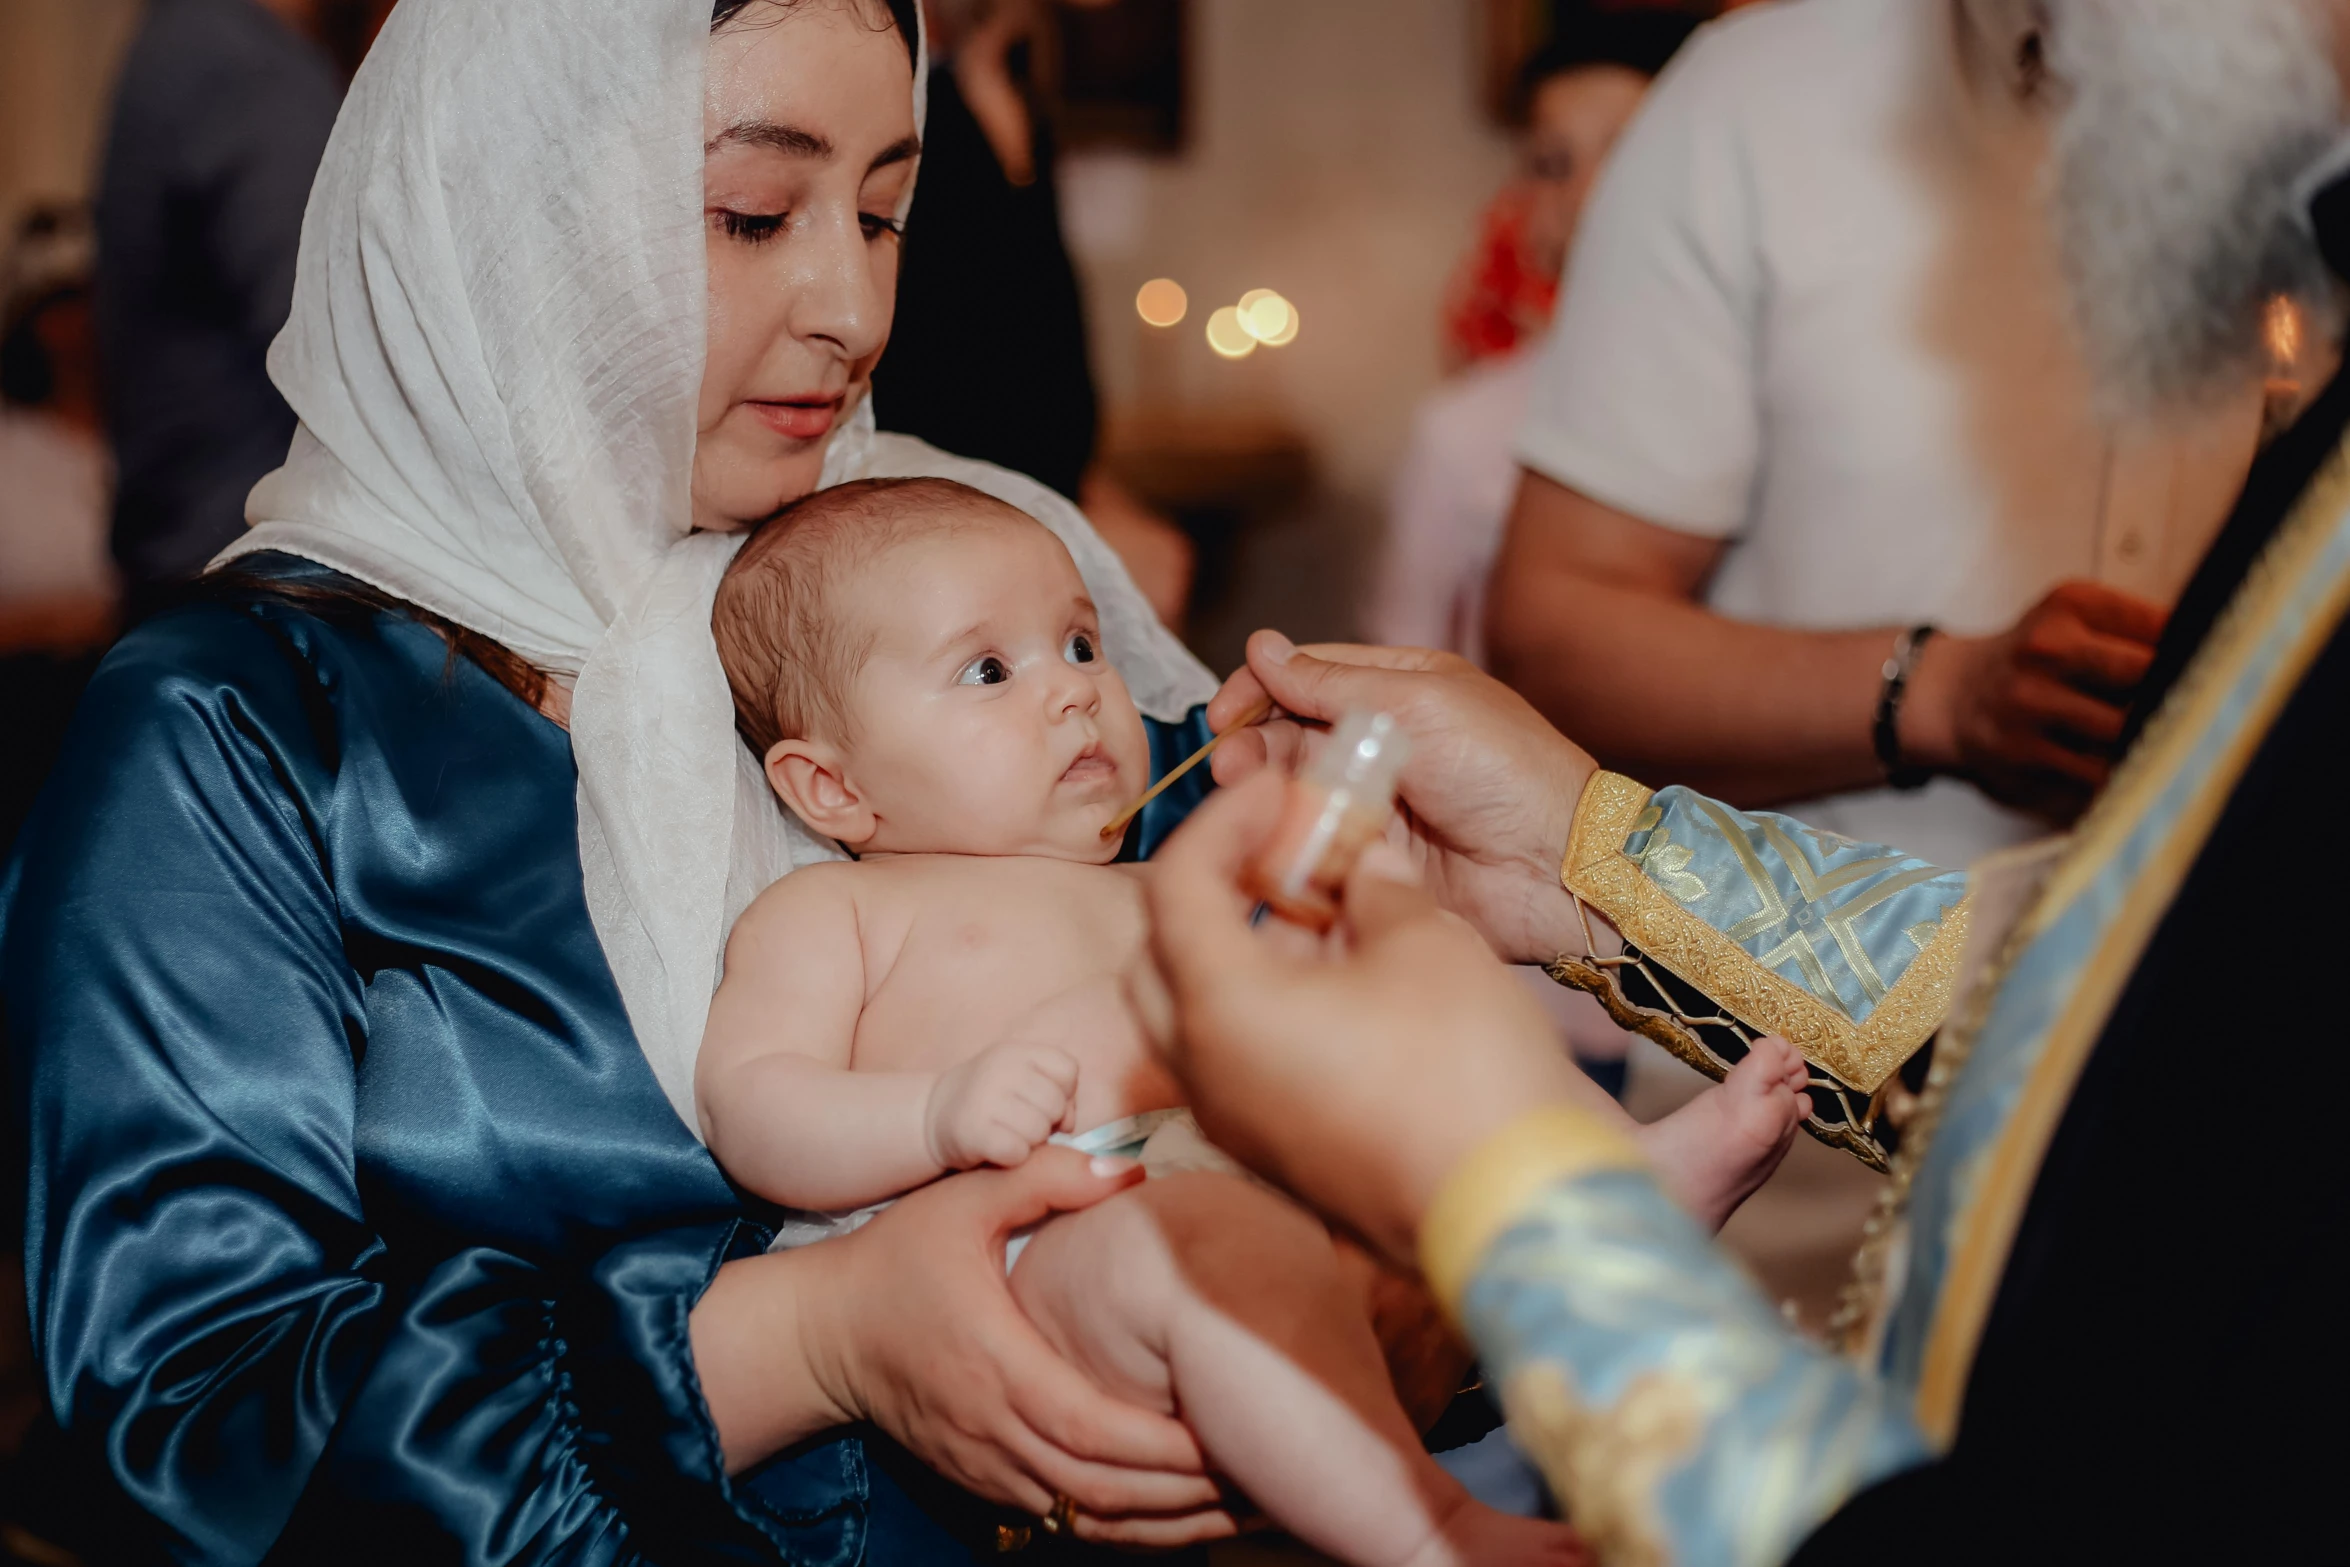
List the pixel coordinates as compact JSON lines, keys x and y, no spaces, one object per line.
{"x":752,"y":228}
{"x":985,"y":670}
{"x":876,"y":224}
{"x":1081,"y":648}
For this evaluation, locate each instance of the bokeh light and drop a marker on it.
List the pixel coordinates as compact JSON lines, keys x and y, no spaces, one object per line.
{"x":1161,"y":301}
{"x":1227,"y":336}
{"x":1267,"y":317}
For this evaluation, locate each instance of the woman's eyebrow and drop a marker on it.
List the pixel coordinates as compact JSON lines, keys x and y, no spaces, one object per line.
{"x":787,"y":139}
{"x":899,"y":151}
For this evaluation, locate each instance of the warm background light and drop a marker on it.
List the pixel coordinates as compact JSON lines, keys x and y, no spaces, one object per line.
{"x":1161,"y":301}
{"x":1267,"y":317}
{"x":1270,"y":318}
{"x":1227,"y":336}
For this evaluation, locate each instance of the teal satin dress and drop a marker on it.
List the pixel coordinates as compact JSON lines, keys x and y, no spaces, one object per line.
{"x":357,"y":1224}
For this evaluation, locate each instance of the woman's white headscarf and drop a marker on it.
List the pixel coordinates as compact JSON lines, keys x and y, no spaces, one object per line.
{"x":496,"y":352}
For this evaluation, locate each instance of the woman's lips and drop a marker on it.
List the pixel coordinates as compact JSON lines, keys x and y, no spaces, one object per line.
{"x":801,"y":419}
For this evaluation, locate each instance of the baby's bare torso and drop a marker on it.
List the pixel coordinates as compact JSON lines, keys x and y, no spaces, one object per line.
{"x":962,"y":950}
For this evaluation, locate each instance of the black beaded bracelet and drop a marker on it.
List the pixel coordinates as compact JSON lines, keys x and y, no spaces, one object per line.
{"x":1885,"y":734}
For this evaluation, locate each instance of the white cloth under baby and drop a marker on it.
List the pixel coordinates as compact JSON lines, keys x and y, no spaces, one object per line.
{"x":1164,"y":1142}
{"x":496,"y":351}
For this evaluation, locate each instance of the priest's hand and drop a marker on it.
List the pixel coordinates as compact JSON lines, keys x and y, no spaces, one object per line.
{"x":1488,"y":794}
{"x":1356,"y":1072}
{"x":2032,"y":716}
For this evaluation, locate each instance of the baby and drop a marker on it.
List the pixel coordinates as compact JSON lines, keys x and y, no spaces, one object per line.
{"x":922,"y":672}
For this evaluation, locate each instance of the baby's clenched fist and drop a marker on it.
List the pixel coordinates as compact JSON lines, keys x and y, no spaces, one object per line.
{"x":1001,"y":1103}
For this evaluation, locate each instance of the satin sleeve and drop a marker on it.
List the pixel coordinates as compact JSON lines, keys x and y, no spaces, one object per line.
{"x":220,"y":1328}
{"x":1674,"y":1413}
{"x":1742,"y":923}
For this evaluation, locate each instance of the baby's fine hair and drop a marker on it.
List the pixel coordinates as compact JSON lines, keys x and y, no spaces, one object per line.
{"x":790,"y":658}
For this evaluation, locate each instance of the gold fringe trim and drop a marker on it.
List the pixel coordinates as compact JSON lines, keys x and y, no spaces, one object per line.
{"x":1862,"y":1056}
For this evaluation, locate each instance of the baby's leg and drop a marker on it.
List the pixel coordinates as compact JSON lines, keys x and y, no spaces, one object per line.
{"x":1220,"y":1302}
{"x":1713,"y":1152}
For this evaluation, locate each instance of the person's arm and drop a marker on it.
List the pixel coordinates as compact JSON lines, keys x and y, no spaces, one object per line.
{"x":1594,"y":615}
{"x":259,"y":1370}
{"x":785,"y":1114}
{"x":220,"y":1323}
{"x":1673,"y":1411}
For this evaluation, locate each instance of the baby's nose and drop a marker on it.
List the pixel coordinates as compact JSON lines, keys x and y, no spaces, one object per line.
{"x":1075,"y":694}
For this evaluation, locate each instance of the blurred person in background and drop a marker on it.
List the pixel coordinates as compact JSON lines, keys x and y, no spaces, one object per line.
{"x":1452,"y":490}
{"x":990,"y":359}
{"x":220,"y":116}
{"x":1816,"y":505}
{"x":57,"y":592}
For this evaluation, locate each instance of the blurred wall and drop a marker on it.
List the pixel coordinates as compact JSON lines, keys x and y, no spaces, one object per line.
{"x":1339,"y":153}
{"x":57,"y":61}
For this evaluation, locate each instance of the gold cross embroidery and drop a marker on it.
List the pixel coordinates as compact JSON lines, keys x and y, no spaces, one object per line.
{"x":1812,"y":888}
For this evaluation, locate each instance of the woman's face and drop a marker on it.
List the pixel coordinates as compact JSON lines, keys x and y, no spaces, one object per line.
{"x":808,"y":130}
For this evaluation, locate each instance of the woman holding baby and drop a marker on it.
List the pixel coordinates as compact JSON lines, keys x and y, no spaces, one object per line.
{"x":359,"y":953}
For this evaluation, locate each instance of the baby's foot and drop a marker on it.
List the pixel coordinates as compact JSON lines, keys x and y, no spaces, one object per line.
{"x":1474,"y":1535}
{"x":1714,"y":1151}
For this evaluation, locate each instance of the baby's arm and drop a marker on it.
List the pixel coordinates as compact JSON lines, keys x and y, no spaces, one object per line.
{"x":786,"y":1116}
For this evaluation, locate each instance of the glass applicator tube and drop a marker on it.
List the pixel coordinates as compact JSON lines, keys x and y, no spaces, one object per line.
{"x":1333,"y":811}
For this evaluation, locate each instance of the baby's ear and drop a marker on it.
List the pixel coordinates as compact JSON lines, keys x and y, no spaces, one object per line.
{"x":811,"y":776}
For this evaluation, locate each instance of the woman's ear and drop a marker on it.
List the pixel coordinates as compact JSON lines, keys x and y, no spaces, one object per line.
{"x":811,"y":776}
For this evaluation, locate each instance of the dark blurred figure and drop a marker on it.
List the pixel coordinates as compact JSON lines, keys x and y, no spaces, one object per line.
{"x":57,"y":612}
{"x":988,"y":356}
{"x":57,"y":595}
{"x":220,"y":117}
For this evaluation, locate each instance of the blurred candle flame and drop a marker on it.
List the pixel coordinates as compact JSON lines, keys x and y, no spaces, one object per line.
{"x":1161,"y":301}
{"x":1267,"y":317}
{"x":1227,"y":336}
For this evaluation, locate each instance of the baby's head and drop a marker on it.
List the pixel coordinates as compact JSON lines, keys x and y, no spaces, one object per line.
{"x":921,"y":670}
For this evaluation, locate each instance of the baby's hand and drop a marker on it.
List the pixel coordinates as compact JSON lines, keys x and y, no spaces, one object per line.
{"x":1001,"y":1103}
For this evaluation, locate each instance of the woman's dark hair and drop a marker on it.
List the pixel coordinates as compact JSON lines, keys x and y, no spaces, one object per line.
{"x":350,"y":605}
{"x":1639,"y":39}
{"x":903,"y":16}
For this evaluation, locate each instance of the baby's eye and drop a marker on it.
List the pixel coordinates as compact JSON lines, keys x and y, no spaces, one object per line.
{"x":987,"y":670}
{"x":1080,"y":648}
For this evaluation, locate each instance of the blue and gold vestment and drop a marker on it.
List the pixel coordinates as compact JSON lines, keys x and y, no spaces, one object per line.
{"x":2102,"y":1316}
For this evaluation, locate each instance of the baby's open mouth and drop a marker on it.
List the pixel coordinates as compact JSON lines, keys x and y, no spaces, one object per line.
{"x":1093,"y":765}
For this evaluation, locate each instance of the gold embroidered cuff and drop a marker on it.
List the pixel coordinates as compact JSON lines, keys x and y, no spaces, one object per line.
{"x":1853,"y":1063}
{"x":1488,"y":1190}
{"x":1861,"y":1056}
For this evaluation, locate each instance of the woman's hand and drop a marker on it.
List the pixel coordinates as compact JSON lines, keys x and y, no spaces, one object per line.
{"x":908,"y":1324}
{"x":1488,"y":794}
{"x":1357,"y":1073}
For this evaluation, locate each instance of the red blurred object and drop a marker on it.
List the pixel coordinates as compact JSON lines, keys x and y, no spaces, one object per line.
{"x":1496,"y":301}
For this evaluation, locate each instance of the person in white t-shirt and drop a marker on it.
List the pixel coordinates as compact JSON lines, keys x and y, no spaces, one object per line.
{"x":1811,"y":398}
